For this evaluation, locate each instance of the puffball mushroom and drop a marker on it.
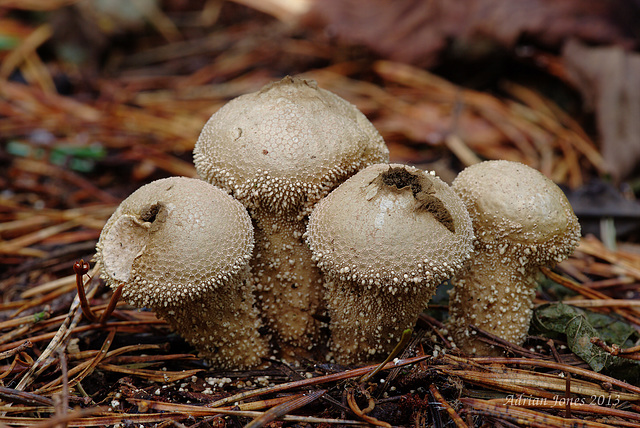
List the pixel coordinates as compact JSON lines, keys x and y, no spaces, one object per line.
{"x":385,"y":239}
{"x":182,"y":247}
{"x":279,"y":151}
{"x":521,"y":221}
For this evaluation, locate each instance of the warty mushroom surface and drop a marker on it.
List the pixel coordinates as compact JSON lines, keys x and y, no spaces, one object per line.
{"x":279,"y":151}
{"x":521,"y":220}
{"x":182,"y":247}
{"x":385,"y":239}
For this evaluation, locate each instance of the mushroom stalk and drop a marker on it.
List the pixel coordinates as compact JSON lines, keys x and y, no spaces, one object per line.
{"x":521,"y":221}
{"x":385,"y":239}
{"x":224,"y":326}
{"x":367,"y":323}
{"x":502,"y":306}
{"x":288,"y":284}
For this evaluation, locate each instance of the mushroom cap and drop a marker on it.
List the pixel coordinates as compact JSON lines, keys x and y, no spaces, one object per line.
{"x":172,"y":239}
{"x":512,"y":204}
{"x":284,"y":147}
{"x":391,"y":225}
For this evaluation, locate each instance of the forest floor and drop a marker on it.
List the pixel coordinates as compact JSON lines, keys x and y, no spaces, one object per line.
{"x":96,"y":102}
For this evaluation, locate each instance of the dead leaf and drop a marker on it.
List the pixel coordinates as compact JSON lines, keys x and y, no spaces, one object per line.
{"x":609,"y":80}
{"x":417,"y":32}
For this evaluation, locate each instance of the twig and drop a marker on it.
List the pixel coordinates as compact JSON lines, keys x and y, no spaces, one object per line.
{"x":81,"y":268}
{"x":552,"y":365}
{"x":60,"y":337}
{"x":404,"y":340}
{"x":362,"y":414}
{"x":348,"y":374}
{"x":26,"y":344}
{"x":615,"y":350}
{"x":450,"y":410}
{"x":284,"y":408}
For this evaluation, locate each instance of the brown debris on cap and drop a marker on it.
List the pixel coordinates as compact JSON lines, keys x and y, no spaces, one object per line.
{"x":385,"y":239}
{"x":279,"y":151}
{"x":181,"y":247}
{"x":521,"y":220}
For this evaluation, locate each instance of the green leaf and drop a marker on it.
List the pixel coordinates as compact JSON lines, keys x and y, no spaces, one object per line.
{"x":8,"y":42}
{"x":579,"y":326}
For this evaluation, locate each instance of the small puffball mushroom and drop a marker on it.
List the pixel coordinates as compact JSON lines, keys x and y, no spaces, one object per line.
{"x":279,"y":151}
{"x":385,"y":239}
{"x":182,"y":247}
{"x":521,"y":221}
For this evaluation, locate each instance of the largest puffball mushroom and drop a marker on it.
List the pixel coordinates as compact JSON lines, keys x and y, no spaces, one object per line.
{"x":385,"y":239}
{"x":522,"y":221}
{"x":181,"y":247}
{"x":279,"y":151}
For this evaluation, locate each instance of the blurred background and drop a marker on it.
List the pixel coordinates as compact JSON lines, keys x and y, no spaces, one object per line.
{"x":98,"y":97}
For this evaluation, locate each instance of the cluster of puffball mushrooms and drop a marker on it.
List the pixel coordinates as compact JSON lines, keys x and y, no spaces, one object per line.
{"x":302,"y":240}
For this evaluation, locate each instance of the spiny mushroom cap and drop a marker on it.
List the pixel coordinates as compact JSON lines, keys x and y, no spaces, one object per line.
{"x":391,"y":225}
{"x":172,"y":239}
{"x":284,"y":147}
{"x":514,"y":207}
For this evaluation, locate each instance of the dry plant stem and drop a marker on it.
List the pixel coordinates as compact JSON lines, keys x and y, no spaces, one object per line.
{"x":28,"y":398}
{"x":64,"y":405}
{"x":404,"y":340}
{"x":588,"y":292}
{"x":23,"y":346}
{"x":113,"y":302}
{"x":286,"y":277}
{"x":578,"y":407}
{"x":123,"y":326}
{"x":284,"y":408}
{"x":497,"y":342}
{"x":34,"y":302}
{"x":81,"y":268}
{"x":615,"y":349}
{"x":549,"y":364}
{"x":314,"y":381}
{"x":361,"y":414}
{"x":450,"y":410}
{"x":88,"y":369}
{"x":60,"y":338}
{"x":524,"y":416}
{"x":536,"y":384}
{"x":38,"y":317}
{"x":189,"y":411}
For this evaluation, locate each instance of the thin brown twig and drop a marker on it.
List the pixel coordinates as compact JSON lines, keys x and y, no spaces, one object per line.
{"x":552,"y":365}
{"x":615,"y":350}
{"x":81,"y":268}
{"x":113,"y":302}
{"x":360,"y":413}
{"x":23,"y":346}
{"x":348,"y":374}
{"x":455,"y":417}
{"x":284,"y":408}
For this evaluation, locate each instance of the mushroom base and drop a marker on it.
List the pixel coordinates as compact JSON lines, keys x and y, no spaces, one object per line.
{"x":222,"y":325}
{"x":497,"y":298}
{"x":288,"y":287}
{"x":367,"y":324}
